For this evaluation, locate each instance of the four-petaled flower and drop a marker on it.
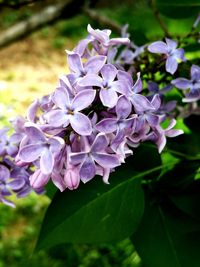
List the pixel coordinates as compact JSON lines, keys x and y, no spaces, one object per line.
{"x":174,"y":55}
{"x":107,"y":84}
{"x":96,"y":152}
{"x":40,"y":147}
{"x":193,"y":84}
{"x":67,"y":111}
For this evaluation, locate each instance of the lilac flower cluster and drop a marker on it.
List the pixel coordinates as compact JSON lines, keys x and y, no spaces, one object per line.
{"x":14,"y":179}
{"x":95,"y":117}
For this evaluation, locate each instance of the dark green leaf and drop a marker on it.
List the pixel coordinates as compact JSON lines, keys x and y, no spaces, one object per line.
{"x":188,"y":200}
{"x":167,"y":237}
{"x":187,"y":145}
{"x":96,"y":213}
{"x":177,"y":9}
{"x":51,"y":190}
{"x":178,"y":179}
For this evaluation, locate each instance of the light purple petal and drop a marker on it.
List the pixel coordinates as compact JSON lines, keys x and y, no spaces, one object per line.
{"x":82,"y":45}
{"x":106,"y":160}
{"x":72,"y":179}
{"x":57,"y":179}
{"x":107,"y":125}
{"x":171,"y":44}
{"x":30,"y":153}
{"x":4,"y":173}
{"x":61,"y":98}
{"x":95,"y":64}
{"x":108,"y":97}
{"x":152,"y":119}
{"x":172,"y":123}
{"x":123,"y":107}
{"x":101,"y":36}
{"x":91,"y":80}
{"x":192,"y":96}
{"x":137,"y":87}
{"x":16,"y":184}
{"x":77,"y":158}
{"x":100,"y":143}
{"x":116,"y":41}
{"x":46,"y":162}
{"x":156,"y":101}
{"x":83,"y":99}
{"x":173,"y":133}
{"x":158,"y":47}
{"x":38,"y":179}
{"x":195,"y":72}
{"x":34,"y":133}
{"x":120,"y":87}
{"x":87,"y":170}
{"x":32,"y":109}
{"x":161,"y":142}
{"x":141,"y":103}
{"x":74,"y":62}
{"x":56,"y":144}
{"x":179,"y":54}
{"x":8,"y":202}
{"x":171,"y":64}
{"x":125,"y":77}
{"x":109,"y":73}
{"x":57,"y":118}
{"x":81,"y":124}
{"x":181,"y":83}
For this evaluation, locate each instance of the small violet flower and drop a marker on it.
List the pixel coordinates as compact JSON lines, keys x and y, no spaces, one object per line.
{"x":174,"y":55}
{"x":40,"y":147}
{"x":94,"y":153}
{"x":67,"y":111}
{"x":193,"y":84}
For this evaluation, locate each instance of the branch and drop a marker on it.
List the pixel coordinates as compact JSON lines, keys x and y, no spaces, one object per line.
{"x":48,"y":15}
{"x":159,"y":19}
{"x":102,"y":20}
{"x":18,"y":4}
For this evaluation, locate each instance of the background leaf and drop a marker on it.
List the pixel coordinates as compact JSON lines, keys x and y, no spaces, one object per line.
{"x":166,"y":236}
{"x":97,"y":213}
{"x":177,"y":9}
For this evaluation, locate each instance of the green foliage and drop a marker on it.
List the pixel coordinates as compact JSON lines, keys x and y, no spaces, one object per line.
{"x":167,"y":237}
{"x":177,"y":9}
{"x":101,"y":208}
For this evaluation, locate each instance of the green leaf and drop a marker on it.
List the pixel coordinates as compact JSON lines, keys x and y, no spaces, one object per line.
{"x":187,"y":145}
{"x":188,"y":200}
{"x":180,"y":178}
{"x":177,"y":9}
{"x":50,"y":189}
{"x":166,"y":236}
{"x":95,"y":212}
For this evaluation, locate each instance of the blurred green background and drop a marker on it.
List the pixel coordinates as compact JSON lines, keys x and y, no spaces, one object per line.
{"x":29,"y":68}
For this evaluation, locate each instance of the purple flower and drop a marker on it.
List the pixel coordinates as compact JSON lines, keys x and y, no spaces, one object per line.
{"x":94,"y":153}
{"x":140,"y":102}
{"x":161,"y":134}
{"x":108,"y":85}
{"x":101,"y":40}
{"x":67,"y":111}
{"x":140,"y":131}
{"x":8,"y":145}
{"x":40,"y":147}
{"x":79,"y":69}
{"x":119,"y":123}
{"x":174,"y":55}
{"x":193,"y":84}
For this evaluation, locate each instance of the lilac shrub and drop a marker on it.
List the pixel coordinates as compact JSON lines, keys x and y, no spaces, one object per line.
{"x":98,"y":114}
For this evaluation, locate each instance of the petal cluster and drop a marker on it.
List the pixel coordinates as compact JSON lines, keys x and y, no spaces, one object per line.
{"x":93,"y":120}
